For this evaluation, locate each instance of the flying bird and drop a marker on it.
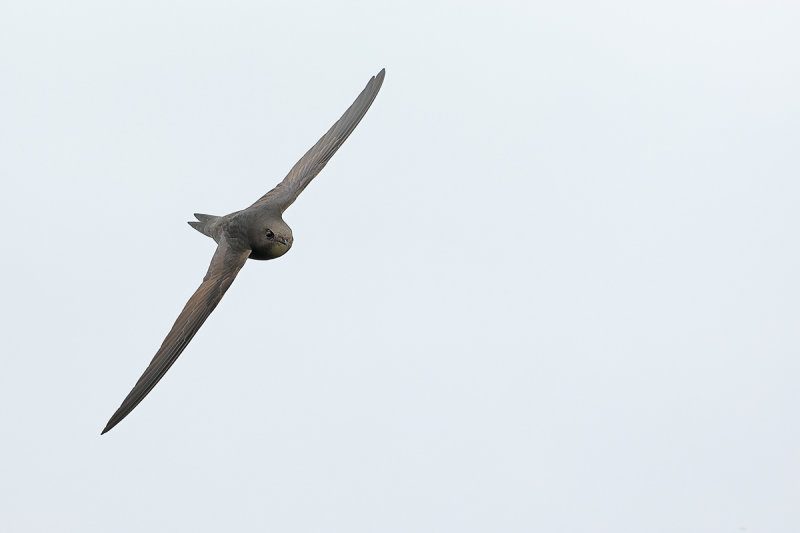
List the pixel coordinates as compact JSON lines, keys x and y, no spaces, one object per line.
{"x":257,"y":232}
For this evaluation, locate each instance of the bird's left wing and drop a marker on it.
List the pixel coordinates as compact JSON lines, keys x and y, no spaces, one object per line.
{"x":318,"y":155}
{"x":225,"y":264}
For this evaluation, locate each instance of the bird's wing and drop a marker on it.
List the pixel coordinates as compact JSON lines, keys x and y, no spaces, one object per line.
{"x":225,"y":264}
{"x":317,"y":157}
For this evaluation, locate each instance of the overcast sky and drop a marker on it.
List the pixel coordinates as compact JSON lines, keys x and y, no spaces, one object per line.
{"x":549,"y":284}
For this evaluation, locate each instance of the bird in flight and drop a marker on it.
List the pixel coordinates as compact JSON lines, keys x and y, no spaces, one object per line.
{"x":257,"y":232}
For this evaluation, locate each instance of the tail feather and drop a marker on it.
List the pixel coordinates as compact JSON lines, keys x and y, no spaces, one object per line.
{"x":204,"y":224}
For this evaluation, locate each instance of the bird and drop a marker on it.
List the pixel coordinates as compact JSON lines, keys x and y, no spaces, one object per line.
{"x":256,"y":232}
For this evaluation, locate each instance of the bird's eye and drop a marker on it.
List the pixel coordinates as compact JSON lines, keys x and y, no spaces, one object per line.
{"x":270,"y":234}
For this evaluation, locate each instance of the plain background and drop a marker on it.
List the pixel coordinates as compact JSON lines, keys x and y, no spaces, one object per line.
{"x":549,"y":284}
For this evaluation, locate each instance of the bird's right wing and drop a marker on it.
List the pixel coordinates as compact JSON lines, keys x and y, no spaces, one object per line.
{"x":225,"y":264}
{"x":317,"y":157}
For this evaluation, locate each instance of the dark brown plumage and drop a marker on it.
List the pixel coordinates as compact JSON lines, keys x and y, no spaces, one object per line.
{"x":257,"y":232}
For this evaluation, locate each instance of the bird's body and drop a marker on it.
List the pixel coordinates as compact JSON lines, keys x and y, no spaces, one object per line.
{"x":257,"y":232}
{"x":248,"y":228}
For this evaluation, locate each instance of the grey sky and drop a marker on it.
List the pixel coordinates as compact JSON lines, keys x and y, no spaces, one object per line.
{"x":549,"y":283}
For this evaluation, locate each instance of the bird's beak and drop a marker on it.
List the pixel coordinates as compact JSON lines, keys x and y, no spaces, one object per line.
{"x":285,"y":241}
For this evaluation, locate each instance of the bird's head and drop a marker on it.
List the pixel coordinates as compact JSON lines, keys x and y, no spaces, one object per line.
{"x":273,"y":238}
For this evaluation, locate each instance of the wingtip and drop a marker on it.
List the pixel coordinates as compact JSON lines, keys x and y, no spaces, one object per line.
{"x":377,"y":81}
{"x":109,"y":426}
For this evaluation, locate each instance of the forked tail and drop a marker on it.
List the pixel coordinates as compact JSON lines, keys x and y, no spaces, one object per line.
{"x":205,"y":223}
